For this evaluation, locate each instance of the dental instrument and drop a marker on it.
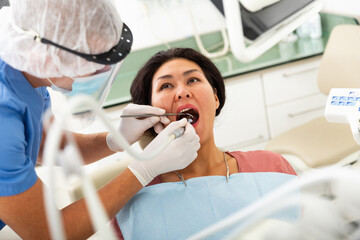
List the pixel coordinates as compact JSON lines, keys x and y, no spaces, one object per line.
{"x":188,"y":116}
{"x":154,"y":115}
{"x":73,"y":166}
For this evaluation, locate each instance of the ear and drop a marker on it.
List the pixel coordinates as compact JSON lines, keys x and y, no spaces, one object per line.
{"x":217,"y":102}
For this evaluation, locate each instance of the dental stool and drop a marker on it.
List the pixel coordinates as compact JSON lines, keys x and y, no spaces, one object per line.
{"x":319,"y":143}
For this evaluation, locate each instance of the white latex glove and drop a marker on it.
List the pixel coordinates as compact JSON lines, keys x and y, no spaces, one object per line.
{"x":179,"y":154}
{"x":132,"y":129}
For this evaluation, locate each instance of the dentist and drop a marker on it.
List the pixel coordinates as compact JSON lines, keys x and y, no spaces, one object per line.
{"x":75,"y":47}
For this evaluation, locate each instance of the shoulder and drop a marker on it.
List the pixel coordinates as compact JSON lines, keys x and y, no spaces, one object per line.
{"x":262,"y":161}
{"x":12,"y":112}
{"x":9,"y":100}
{"x":8,"y":97}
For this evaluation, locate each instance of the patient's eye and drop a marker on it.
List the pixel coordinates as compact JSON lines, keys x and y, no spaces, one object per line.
{"x":193,"y":80}
{"x":165,"y":85}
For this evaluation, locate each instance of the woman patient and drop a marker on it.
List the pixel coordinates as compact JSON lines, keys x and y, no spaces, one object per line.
{"x":176,"y":205}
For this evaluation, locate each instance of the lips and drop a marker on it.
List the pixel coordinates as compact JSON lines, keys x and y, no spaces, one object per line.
{"x":191,"y":114}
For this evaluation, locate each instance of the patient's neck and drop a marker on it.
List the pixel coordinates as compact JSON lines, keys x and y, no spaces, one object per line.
{"x":210,"y":161}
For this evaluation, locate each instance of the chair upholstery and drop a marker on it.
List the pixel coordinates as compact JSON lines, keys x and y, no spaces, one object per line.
{"x":340,"y":63}
{"x":318,"y":142}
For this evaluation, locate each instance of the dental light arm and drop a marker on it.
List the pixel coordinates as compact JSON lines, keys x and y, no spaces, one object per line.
{"x":74,"y":166}
{"x":343,"y":106}
{"x":266,"y":40}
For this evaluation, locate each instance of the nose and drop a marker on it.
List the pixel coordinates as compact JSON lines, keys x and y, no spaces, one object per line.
{"x":183,"y":93}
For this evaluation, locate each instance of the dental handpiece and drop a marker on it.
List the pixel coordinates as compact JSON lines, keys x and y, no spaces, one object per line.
{"x":178,"y":132}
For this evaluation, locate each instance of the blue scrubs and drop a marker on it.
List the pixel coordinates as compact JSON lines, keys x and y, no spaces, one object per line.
{"x":21,"y":110}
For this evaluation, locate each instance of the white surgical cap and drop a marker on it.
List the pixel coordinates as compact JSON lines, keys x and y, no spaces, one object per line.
{"x":86,"y":26}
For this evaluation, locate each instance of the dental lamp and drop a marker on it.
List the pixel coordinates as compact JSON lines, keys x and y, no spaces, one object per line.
{"x":270,"y":22}
{"x":343,"y":106}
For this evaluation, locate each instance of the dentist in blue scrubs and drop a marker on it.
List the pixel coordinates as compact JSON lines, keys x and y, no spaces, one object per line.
{"x":74,"y":47}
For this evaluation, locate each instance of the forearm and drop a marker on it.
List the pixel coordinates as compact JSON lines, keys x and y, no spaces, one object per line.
{"x":113,"y":196}
{"x":25,"y":212}
{"x":93,"y":146}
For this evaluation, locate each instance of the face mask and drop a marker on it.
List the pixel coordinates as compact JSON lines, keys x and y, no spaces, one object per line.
{"x":58,"y":89}
{"x":89,"y":85}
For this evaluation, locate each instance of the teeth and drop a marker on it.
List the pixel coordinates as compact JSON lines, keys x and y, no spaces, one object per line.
{"x":184,"y":110}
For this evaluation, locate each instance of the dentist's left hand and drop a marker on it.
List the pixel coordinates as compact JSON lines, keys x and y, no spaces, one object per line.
{"x":132,"y":128}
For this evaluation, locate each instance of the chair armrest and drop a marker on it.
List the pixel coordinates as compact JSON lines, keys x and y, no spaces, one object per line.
{"x":100,"y":177}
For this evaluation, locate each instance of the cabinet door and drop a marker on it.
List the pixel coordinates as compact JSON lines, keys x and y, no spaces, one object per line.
{"x":242,"y":121}
{"x":291,"y":82}
{"x":283,"y":117}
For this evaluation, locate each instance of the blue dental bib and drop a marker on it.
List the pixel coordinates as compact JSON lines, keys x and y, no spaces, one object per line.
{"x":173,"y":211}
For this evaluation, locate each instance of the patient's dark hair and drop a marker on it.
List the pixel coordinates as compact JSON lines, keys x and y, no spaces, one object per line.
{"x":141,"y":87}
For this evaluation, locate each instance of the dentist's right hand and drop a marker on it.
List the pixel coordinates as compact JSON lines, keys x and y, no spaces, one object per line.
{"x":179,"y":154}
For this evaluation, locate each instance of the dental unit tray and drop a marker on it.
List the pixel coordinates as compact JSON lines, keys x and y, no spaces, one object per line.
{"x":343,"y":106}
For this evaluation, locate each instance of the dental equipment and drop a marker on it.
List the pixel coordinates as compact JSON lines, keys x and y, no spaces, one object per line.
{"x":343,"y":106}
{"x":226,"y":45}
{"x":73,"y":166}
{"x":277,"y":24}
{"x":188,"y":116}
{"x":154,"y":115}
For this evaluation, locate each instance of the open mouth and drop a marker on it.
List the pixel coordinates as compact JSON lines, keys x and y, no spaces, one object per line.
{"x":190,"y":114}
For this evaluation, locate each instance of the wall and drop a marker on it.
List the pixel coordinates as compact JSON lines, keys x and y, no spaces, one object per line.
{"x":155,"y":22}
{"x":344,"y":7}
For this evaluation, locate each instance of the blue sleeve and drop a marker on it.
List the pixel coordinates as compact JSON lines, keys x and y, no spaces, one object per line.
{"x":17,"y":172}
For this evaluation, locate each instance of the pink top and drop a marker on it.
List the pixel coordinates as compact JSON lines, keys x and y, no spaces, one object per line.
{"x":248,"y":162}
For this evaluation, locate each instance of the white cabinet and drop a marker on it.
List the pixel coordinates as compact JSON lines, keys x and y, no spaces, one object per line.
{"x":242,"y":121}
{"x":283,"y":117}
{"x":292,"y":96}
{"x":290,"y":82}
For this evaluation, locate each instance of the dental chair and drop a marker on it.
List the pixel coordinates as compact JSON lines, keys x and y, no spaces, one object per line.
{"x":319,"y":143}
{"x":100,"y":178}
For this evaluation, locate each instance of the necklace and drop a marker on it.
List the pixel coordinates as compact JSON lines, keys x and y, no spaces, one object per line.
{"x":181,"y":177}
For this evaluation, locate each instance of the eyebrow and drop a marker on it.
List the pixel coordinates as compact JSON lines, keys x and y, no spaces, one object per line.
{"x":168,"y":76}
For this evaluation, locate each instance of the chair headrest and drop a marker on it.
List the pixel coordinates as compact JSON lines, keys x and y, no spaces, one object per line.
{"x":340,"y":64}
